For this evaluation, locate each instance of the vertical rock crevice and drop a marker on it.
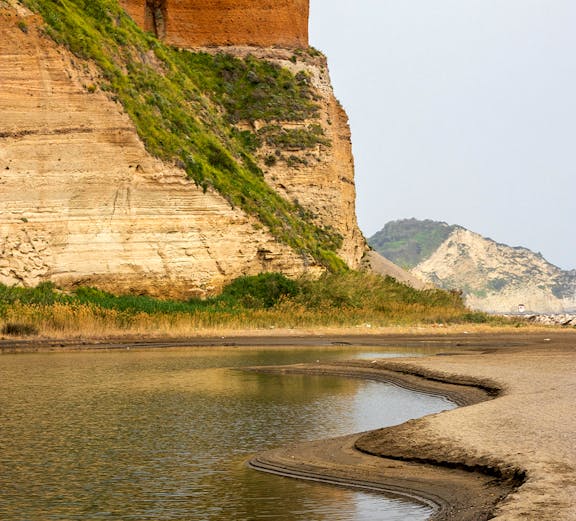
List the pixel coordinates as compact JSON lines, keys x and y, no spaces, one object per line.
{"x":155,"y":17}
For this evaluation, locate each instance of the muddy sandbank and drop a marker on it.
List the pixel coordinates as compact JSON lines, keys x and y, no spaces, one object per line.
{"x":444,"y":338}
{"x":509,"y":453}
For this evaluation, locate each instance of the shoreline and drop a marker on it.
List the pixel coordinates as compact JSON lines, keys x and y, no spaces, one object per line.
{"x":490,"y":469}
{"x":516,"y":390}
{"x":458,"y":494}
{"x":461,"y":337}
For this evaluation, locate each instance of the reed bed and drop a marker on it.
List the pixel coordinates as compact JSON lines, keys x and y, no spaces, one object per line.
{"x":267,"y":301}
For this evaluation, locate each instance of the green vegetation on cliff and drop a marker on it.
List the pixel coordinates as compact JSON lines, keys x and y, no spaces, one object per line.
{"x":184,"y":104}
{"x":408,"y":242}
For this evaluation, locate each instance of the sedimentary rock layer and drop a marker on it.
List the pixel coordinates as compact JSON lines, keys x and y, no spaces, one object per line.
{"x":189,"y":23}
{"x":81,"y":201}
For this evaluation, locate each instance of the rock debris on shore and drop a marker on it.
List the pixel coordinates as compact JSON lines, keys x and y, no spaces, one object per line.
{"x":563,"y":319}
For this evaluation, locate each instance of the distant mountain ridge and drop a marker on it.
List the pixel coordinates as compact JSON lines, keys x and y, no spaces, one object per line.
{"x":493,"y":277}
{"x":409,"y":241}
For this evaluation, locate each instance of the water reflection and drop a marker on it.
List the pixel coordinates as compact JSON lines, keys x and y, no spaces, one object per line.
{"x":164,"y":436}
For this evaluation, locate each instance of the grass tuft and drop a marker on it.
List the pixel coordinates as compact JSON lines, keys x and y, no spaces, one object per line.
{"x":19,"y":329}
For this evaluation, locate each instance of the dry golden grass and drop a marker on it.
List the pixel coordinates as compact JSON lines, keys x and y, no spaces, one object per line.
{"x":352,"y":302}
{"x":88,"y":321}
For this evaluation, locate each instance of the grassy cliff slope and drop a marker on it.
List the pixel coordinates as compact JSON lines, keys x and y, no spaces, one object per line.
{"x":185,"y":104}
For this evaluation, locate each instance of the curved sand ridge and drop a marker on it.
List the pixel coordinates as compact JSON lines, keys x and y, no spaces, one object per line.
{"x":508,"y":458}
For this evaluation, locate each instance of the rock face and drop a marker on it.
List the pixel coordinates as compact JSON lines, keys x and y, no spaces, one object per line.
{"x":193,"y":23}
{"x":498,"y":278}
{"x":493,"y":277}
{"x":563,"y":319}
{"x":320,"y":178}
{"x":82,"y":202}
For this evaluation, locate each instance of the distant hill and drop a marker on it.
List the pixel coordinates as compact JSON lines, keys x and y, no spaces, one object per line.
{"x":493,"y":277}
{"x":408,"y":242}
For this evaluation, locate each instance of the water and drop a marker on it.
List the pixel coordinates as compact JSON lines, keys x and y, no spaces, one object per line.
{"x":164,"y":435}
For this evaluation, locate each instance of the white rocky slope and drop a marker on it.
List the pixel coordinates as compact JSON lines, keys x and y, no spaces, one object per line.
{"x":498,"y":278}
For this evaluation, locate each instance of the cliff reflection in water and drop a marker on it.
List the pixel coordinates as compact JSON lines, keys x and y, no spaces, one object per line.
{"x":164,"y":436}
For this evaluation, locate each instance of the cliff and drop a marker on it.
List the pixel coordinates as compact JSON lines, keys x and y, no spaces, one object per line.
{"x":493,"y":277}
{"x":195,"y":23}
{"x":310,"y":162}
{"x":100,"y":185}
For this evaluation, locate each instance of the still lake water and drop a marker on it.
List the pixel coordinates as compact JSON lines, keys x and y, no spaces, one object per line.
{"x":165,"y":435}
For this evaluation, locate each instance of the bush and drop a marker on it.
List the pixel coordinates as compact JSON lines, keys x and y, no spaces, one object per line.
{"x":475,"y":317}
{"x":347,"y":298}
{"x":294,"y":138}
{"x":260,"y":291}
{"x":23,"y":26}
{"x":43,"y":294}
{"x":369,"y":291}
{"x":17,"y":329}
{"x":270,"y":160}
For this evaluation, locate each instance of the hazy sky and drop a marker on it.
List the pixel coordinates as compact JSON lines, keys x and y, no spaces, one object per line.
{"x":462,"y":111}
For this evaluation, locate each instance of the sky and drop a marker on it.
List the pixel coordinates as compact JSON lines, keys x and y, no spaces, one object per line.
{"x":461,"y":111}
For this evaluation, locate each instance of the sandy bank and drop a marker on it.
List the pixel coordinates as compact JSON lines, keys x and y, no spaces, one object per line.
{"x":508,"y":457}
{"x":458,"y":336}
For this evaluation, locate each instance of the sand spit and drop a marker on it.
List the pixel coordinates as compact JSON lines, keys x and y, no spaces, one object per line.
{"x":454,"y":494}
{"x":459,"y":494}
{"x":508,"y":454}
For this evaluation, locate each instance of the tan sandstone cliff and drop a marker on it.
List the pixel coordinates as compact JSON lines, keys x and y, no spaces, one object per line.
{"x":82,"y":202}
